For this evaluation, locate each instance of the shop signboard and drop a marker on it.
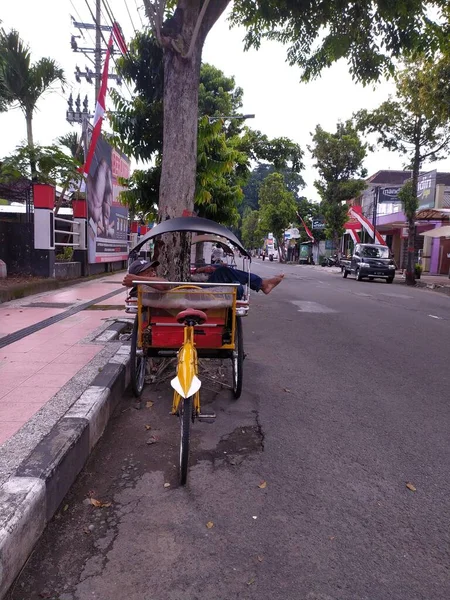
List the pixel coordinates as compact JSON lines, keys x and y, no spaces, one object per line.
{"x":318,"y":224}
{"x":388,"y":194}
{"x":107,"y":217}
{"x":426,"y":189}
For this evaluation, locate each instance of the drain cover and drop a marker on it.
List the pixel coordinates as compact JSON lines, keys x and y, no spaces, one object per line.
{"x":50,"y":304}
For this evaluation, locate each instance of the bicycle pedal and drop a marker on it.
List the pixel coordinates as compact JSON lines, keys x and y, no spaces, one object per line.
{"x":206,"y":416}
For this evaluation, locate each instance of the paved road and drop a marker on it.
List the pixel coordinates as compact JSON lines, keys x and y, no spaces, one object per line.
{"x":346,"y":400}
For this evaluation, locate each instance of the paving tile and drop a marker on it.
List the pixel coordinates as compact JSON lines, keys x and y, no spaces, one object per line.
{"x":53,"y":379}
{"x":72,"y":359}
{"x":6,"y":389}
{"x":8,"y":429}
{"x":20,"y":368}
{"x":8,"y":380}
{"x":87,"y":350}
{"x":11,"y":411}
{"x":26,"y":394}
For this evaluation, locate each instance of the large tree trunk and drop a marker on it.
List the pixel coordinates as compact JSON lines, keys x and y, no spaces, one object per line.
{"x":183,"y":37}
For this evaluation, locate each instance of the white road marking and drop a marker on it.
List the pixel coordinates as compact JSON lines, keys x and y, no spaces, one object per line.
{"x":362,"y":294}
{"x":396,"y":295}
{"x":312,"y":307}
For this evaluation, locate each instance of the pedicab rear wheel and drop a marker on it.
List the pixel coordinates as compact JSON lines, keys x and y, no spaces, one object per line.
{"x":238,"y":359}
{"x":138,"y":363}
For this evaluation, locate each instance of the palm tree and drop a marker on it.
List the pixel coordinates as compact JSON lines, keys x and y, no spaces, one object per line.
{"x":71,"y":141}
{"x":24,"y":82}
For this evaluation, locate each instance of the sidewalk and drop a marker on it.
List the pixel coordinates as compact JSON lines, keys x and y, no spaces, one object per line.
{"x":38,"y":364}
{"x":61,"y":376}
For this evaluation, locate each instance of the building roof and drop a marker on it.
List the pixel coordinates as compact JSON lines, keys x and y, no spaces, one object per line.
{"x":388,"y":177}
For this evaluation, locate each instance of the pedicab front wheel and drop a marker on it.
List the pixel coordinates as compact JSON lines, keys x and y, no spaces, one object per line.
{"x":238,"y":359}
{"x":137,"y":363}
{"x":186,"y":414}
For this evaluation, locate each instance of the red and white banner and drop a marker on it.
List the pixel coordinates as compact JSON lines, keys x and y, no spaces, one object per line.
{"x":308,"y":232}
{"x":118,"y":38}
{"x":355,"y":212}
{"x":99,"y":110}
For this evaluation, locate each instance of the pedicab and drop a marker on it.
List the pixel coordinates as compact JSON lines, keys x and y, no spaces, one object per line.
{"x":190,"y":321}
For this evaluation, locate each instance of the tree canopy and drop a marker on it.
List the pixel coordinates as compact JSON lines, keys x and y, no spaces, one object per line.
{"x":416,"y":123}
{"x":370,"y":35}
{"x":339,"y":158}
{"x":277,"y":207}
{"x":225,"y":146}
{"x":22,"y":81}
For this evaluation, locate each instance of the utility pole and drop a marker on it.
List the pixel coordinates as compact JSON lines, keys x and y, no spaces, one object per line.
{"x":98,"y":48}
{"x":375,"y":210}
{"x":91,"y":76}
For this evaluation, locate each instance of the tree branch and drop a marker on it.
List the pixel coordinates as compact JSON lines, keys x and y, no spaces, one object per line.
{"x":196,"y":29}
{"x":214,"y":10}
{"x":155,"y":18}
{"x":444,"y":143}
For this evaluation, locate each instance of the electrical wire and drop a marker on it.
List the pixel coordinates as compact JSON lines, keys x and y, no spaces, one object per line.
{"x":129,"y":14}
{"x":139,"y":13}
{"x":106,"y":43}
{"x":81,"y":20}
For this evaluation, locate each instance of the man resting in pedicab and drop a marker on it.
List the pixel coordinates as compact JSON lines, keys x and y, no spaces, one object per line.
{"x":146,"y":271}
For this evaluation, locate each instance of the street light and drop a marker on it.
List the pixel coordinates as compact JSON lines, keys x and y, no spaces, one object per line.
{"x":227,"y":118}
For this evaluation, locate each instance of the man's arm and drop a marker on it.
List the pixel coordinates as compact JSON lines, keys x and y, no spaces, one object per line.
{"x":129,"y":278}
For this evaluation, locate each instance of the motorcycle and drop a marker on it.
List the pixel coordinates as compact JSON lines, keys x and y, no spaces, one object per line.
{"x":331,"y":261}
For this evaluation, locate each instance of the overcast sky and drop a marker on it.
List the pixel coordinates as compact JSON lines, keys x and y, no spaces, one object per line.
{"x":272,"y":90}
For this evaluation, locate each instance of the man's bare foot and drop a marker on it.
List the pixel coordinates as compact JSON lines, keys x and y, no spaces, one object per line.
{"x":268,"y":284}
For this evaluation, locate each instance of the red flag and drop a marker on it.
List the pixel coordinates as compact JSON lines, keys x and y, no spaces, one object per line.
{"x":118,"y":37}
{"x":308,"y":232}
{"x":99,"y":110}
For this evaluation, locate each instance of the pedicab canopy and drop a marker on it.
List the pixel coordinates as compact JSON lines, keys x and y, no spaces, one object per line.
{"x":194,"y":225}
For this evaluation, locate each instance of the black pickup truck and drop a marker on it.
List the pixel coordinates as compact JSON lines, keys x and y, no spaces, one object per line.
{"x":371,"y":261}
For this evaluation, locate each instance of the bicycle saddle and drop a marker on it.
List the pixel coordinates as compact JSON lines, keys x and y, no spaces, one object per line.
{"x":191,"y":315}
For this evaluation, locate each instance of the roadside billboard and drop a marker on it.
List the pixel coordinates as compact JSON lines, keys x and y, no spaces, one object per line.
{"x":426,"y":189}
{"x":107,"y":217}
{"x":318,"y":223}
{"x":388,"y":194}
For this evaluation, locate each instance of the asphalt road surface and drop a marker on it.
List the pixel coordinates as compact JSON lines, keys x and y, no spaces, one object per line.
{"x":303,"y":481}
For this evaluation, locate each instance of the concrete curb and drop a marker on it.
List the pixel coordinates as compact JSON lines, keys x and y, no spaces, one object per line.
{"x":30,"y":498}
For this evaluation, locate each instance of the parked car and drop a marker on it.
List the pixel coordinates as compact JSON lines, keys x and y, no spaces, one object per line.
{"x":371,"y":261}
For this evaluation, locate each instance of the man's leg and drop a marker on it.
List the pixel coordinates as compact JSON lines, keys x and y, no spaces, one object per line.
{"x":228,"y":275}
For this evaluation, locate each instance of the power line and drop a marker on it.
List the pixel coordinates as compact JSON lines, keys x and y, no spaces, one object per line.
{"x":98,"y":28}
{"x":80,"y":30}
{"x":129,"y":14}
{"x":138,"y":12}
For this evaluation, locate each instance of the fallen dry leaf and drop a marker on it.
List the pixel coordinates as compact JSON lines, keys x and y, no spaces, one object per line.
{"x":286,"y":390}
{"x":149,"y":404}
{"x":411,"y":487}
{"x":167,"y":485}
{"x":99,"y":503}
{"x":66,"y":507}
{"x":262,"y":485}
{"x":147,"y":427}
{"x":209,"y":524}
{"x":260,"y":558}
{"x":251,"y":582}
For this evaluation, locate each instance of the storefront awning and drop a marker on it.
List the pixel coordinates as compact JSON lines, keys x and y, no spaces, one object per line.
{"x":437,"y":232}
{"x":433,"y":214}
